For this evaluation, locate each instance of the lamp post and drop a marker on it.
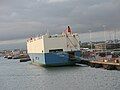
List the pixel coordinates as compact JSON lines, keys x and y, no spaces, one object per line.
{"x":90,"y":39}
{"x":104,"y":26}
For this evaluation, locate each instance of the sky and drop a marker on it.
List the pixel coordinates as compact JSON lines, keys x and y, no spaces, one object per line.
{"x":21,"y":19}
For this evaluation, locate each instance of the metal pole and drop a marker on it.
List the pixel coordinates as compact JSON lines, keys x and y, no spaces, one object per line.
{"x":105,"y":41}
{"x":90,"y":39}
{"x":105,"y":36}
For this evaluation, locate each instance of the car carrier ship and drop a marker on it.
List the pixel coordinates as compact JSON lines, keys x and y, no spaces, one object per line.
{"x":54,"y":50}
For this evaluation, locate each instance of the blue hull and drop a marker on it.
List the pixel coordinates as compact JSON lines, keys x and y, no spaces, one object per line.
{"x":53,"y":59}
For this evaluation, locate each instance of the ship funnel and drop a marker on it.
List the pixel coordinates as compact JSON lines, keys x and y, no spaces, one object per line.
{"x":69,"y":30}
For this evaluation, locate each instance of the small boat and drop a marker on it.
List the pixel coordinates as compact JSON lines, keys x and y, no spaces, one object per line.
{"x":25,"y":59}
{"x":9,"y":57}
{"x":5,"y":56}
{"x":16,"y":57}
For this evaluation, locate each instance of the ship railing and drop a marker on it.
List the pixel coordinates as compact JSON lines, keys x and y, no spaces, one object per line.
{"x":34,"y":39}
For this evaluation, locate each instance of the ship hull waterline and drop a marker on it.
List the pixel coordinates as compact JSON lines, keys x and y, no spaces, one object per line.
{"x":54,"y":59}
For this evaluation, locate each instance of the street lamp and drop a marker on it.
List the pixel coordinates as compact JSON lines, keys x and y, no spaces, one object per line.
{"x":90,"y":39}
{"x":104,"y":27}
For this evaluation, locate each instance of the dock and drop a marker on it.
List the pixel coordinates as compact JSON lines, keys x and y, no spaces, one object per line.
{"x":113,"y":64}
{"x":106,"y":64}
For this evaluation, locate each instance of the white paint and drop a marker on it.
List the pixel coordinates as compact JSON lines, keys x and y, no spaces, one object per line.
{"x":35,"y":45}
{"x":45,"y":43}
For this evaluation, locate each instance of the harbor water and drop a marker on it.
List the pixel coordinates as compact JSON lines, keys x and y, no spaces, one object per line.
{"x":25,"y":76}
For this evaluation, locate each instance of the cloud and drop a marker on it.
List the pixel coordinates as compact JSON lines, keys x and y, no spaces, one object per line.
{"x":18,"y":30}
{"x":24,"y":18}
{"x":53,"y":1}
{"x":12,"y":41}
